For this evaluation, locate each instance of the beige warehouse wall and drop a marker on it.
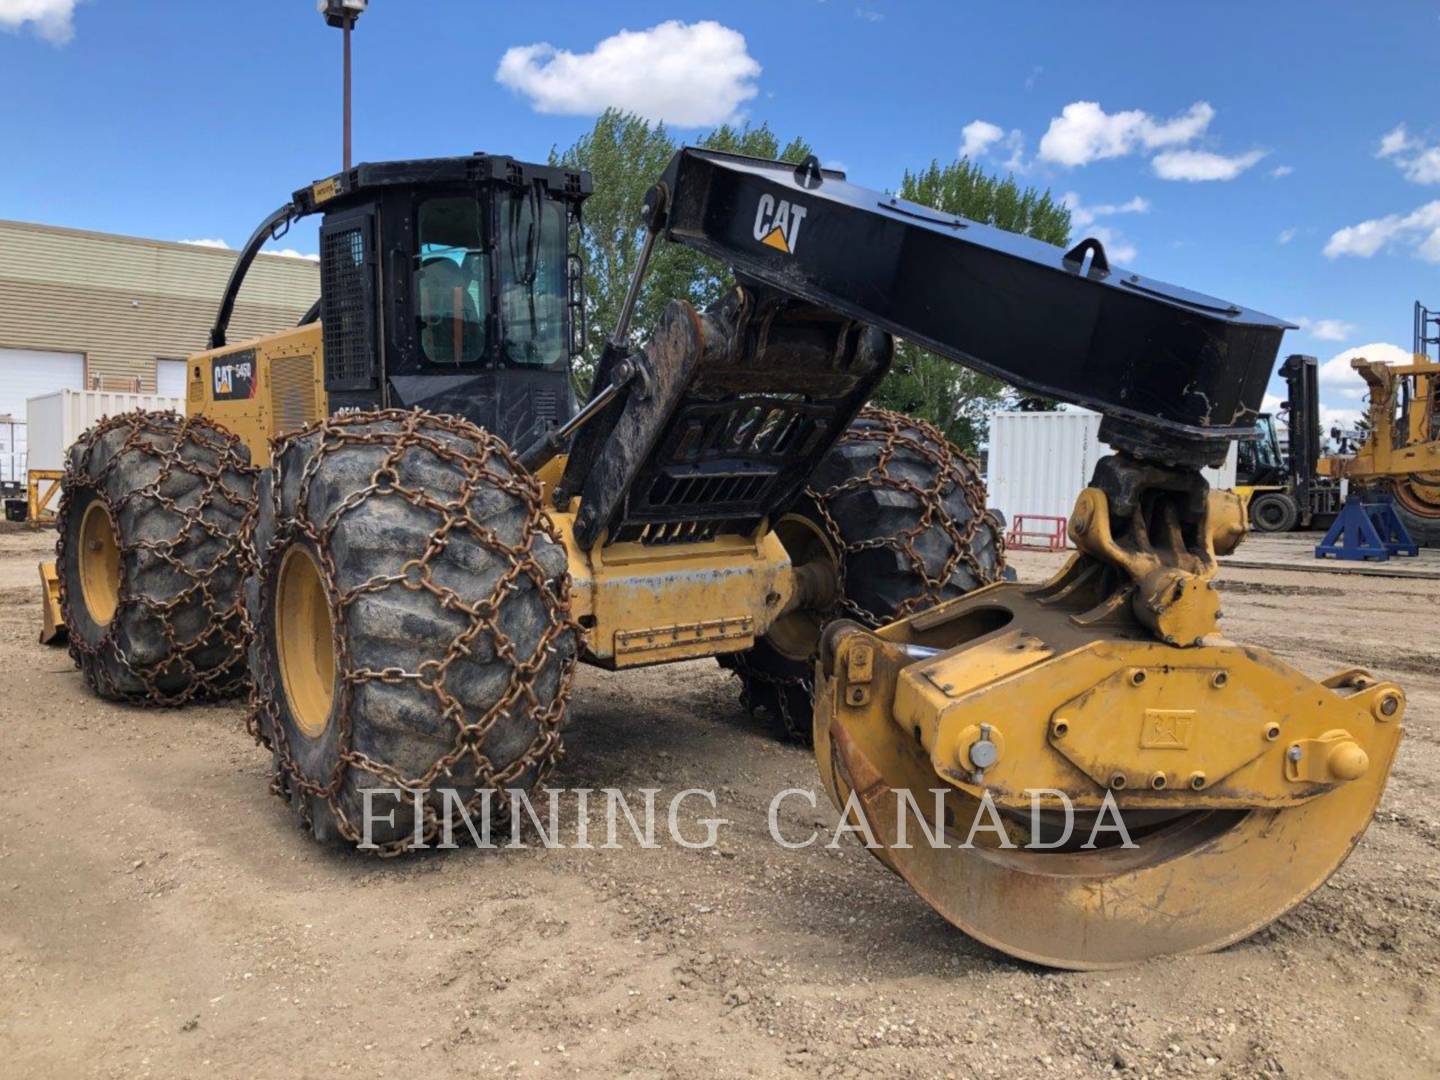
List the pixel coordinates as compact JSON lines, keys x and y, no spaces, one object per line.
{"x":124,"y":301}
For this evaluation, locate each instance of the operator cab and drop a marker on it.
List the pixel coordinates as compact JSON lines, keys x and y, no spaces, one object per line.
{"x":1258,"y":461}
{"x":454,"y":285}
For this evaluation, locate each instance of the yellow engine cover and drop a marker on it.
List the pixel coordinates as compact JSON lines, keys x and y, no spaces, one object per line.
{"x":260,"y":388}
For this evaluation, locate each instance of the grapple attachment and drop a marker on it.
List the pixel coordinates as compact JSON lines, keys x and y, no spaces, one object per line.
{"x":1084,"y":773}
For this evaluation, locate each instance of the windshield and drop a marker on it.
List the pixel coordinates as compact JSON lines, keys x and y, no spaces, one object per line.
{"x":452,"y":281}
{"x":532,"y":278}
{"x":1263,"y":450}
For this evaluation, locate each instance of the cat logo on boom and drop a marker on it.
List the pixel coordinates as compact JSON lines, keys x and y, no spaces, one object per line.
{"x":778,"y":226}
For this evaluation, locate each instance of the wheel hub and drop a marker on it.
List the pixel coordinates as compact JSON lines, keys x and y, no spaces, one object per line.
{"x":796,"y":633}
{"x":99,"y":564}
{"x":304,"y":640}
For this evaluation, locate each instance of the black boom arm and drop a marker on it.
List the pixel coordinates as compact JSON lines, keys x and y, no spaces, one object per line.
{"x":272,"y":228}
{"x":1177,"y":374}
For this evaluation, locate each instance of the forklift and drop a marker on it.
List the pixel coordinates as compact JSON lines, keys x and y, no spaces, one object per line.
{"x":1284,"y":490}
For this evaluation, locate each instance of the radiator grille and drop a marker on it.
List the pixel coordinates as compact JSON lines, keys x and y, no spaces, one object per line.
{"x":292,"y":392}
{"x":345,"y":308}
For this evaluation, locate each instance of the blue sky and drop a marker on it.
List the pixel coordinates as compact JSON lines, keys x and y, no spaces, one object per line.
{"x":1284,"y":155}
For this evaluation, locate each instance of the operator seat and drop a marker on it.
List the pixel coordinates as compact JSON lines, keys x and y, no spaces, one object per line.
{"x":449,"y":318}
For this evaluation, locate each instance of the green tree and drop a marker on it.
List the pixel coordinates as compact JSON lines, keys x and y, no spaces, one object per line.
{"x":956,"y":399}
{"x":625,"y":154}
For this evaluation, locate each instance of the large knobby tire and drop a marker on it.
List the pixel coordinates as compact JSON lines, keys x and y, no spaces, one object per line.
{"x":1424,"y":528}
{"x":900,"y":513}
{"x":412,"y":626}
{"x":154,"y":547}
{"x":1274,"y":511}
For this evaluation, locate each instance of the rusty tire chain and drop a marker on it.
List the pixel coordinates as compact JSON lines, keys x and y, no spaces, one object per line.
{"x":546,"y":749}
{"x":953,"y":470}
{"x":166,"y":436}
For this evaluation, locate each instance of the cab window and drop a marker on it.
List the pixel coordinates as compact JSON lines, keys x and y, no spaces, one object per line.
{"x":532,"y":278}
{"x":451,"y":281}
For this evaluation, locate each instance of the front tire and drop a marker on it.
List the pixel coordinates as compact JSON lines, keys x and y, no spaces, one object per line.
{"x":154,"y":547}
{"x":1274,"y":511}
{"x":413,"y":628}
{"x":901,"y":513}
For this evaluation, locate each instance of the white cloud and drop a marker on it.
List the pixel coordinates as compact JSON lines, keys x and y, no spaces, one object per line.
{"x":1084,"y":132}
{"x":1281,"y":170}
{"x":979,"y":136}
{"x":1418,"y":230}
{"x":1337,"y":374}
{"x":1325,"y":329}
{"x":1286,"y":235}
{"x":291,"y":253}
{"x":1198,"y":165}
{"x":53,"y":20}
{"x":1345,"y":419}
{"x":687,"y":74}
{"x":1395,"y":141}
{"x":1419,"y":163}
{"x":869,"y":15}
{"x":208,"y":243}
{"x":1081,"y":215}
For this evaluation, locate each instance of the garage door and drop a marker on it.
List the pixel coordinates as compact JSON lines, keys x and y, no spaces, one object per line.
{"x":170,"y":378}
{"x":27,"y":373}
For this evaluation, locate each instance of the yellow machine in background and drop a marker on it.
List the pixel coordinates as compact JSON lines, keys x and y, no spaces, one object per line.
{"x":1401,"y":452}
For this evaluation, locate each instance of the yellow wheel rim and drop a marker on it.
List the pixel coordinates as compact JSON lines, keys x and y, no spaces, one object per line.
{"x":1418,"y":496}
{"x":304,"y":641}
{"x":99,"y":564}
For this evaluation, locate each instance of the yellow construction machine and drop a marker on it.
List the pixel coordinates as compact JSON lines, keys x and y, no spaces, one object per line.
{"x":1400,"y":456}
{"x":397,"y":525}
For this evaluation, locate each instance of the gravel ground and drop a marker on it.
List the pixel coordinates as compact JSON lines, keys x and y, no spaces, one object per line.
{"x":163,"y":915}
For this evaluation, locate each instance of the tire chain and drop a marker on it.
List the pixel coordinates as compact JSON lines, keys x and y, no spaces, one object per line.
{"x":954,"y":469}
{"x":546,"y":749}
{"x":142,"y":429}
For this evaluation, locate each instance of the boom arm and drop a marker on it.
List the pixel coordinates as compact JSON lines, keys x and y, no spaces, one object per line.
{"x":1177,"y":374}
{"x":272,"y":228}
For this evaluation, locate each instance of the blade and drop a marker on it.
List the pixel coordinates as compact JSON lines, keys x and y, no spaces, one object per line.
{"x":1202,"y":882}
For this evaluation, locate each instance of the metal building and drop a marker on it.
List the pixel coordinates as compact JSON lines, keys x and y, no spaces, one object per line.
{"x":89,"y":310}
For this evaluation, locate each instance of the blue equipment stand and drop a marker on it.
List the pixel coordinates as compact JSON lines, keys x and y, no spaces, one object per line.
{"x":1367,"y":530}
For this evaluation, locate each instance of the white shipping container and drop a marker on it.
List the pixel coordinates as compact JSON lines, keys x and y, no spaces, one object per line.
{"x":12,"y":450}
{"x":54,"y":421}
{"x":1039,"y":462}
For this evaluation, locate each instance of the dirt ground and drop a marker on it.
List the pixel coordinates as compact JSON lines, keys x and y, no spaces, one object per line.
{"x":162,"y":915}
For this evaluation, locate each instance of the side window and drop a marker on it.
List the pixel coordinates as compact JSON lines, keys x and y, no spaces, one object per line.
{"x":451,"y":281}
{"x":533,"y":285}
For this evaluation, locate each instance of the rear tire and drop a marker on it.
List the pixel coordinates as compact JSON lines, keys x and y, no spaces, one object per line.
{"x":154,"y":547}
{"x":412,"y":621}
{"x":1273,"y":511}
{"x":903,"y":512}
{"x":1423,"y":529}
